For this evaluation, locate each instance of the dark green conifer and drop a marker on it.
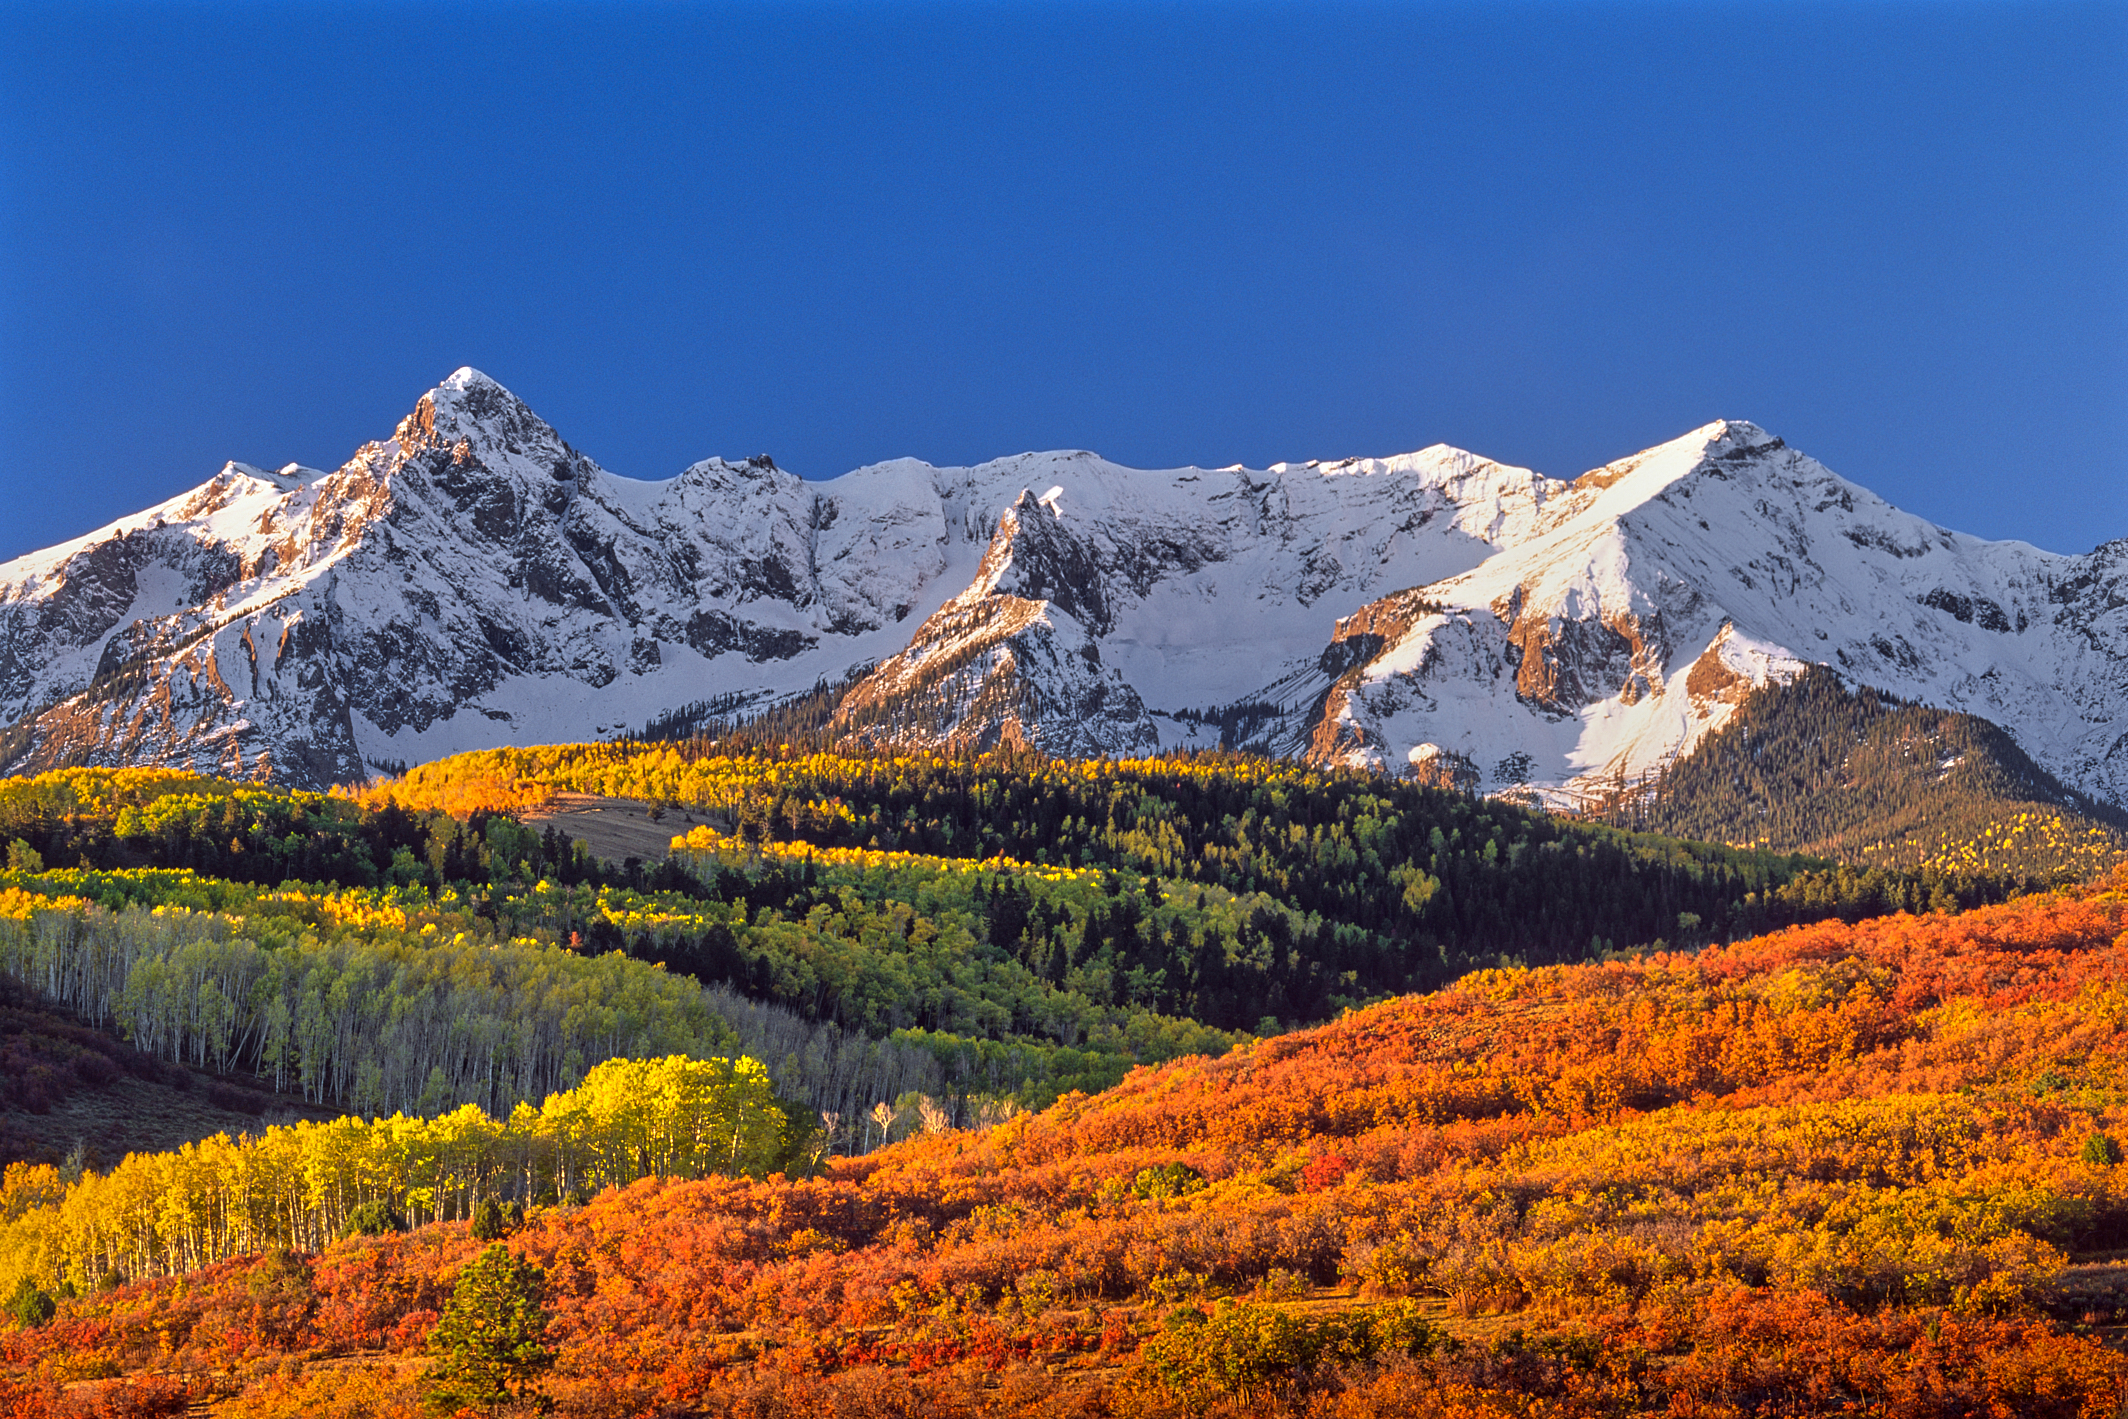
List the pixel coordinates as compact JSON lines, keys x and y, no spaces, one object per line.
{"x":490,"y":1344}
{"x":490,"y":1222}
{"x":30,"y":1306}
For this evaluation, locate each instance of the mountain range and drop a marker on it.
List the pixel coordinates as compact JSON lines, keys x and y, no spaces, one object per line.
{"x":473,"y":580}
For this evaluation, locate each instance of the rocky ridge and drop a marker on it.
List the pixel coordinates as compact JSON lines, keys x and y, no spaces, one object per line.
{"x":473,"y":580}
{"x":1663,"y":587}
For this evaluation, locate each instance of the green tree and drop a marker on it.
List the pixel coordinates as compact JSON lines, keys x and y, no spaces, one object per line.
{"x":491,"y":1221}
{"x":30,"y":1306}
{"x":490,"y":1342}
{"x":1237,"y":1352}
{"x":373,"y":1219}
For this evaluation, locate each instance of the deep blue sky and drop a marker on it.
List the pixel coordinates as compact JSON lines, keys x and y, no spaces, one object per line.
{"x":1896,"y":234}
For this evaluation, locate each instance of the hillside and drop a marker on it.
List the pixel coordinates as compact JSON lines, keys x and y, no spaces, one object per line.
{"x":76,"y":1095}
{"x":1003,"y":928}
{"x":1818,"y":766}
{"x":1867,"y":1168}
{"x":1333,"y":884}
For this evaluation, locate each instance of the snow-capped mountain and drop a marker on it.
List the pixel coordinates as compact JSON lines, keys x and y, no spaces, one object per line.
{"x":1655,"y":591}
{"x":473,"y":580}
{"x":1122,"y":611}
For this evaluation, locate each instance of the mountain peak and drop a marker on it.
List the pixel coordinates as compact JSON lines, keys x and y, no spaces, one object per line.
{"x":1737,"y":434}
{"x":472,"y":395}
{"x":1722,"y":435}
{"x":1652,"y":469}
{"x":466,"y":377}
{"x":472,"y":413}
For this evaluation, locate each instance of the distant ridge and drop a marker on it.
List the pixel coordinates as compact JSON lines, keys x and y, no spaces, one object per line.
{"x":473,"y":580}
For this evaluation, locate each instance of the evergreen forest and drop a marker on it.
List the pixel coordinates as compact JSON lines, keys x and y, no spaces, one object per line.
{"x":1846,"y":772}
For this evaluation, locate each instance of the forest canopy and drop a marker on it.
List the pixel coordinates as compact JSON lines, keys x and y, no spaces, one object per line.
{"x":1001,"y":927}
{"x":1180,"y":1085}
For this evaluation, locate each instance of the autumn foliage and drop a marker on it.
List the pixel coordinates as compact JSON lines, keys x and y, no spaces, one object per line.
{"x":1838,"y":1169}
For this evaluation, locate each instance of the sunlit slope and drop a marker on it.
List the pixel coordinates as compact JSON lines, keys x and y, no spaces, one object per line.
{"x":1635,"y":1187}
{"x":1463,"y":879}
{"x":1821,"y":767}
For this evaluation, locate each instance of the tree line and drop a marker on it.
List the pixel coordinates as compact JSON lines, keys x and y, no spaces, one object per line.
{"x":345,"y":999}
{"x":1026,"y":925}
{"x":1429,"y":882}
{"x":300,"y":1187}
{"x":1849,"y":772}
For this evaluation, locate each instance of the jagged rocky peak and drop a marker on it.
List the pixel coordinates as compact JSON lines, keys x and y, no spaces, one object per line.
{"x":465,"y":403}
{"x":1729,"y":439}
{"x":479,"y":423}
{"x":473,"y":580}
{"x":1036,"y":557}
{"x":1013,"y":659}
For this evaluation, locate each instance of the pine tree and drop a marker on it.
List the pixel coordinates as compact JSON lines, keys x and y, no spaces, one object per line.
{"x":490,"y":1223}
{"x":30,"y":1306}
{"x":373,"y":1219}
{"x":489,"y":1345}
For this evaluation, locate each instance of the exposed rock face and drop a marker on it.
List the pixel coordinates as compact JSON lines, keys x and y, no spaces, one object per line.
{"x":1014,"y":659}
{"x":473,"y":580}
{"x":470,"y":580}
{"x":1658,"y":590}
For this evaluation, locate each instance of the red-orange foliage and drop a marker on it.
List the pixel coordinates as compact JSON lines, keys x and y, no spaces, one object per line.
{"x":1836,"y":1166}
{"x":144,"y":1397}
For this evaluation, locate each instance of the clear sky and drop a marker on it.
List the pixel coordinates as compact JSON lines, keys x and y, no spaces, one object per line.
{"x":1895,"y":234}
